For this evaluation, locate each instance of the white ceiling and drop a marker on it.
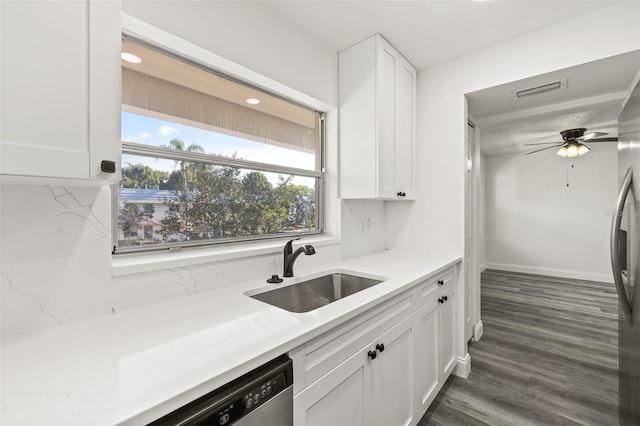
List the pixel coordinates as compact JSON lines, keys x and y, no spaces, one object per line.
{"x":429,"y":32}
{"x":593,"y":98}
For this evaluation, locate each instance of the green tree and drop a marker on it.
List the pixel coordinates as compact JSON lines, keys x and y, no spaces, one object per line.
{"x":131,"y":215}
{"x":297,"y":204}
{"x":225,"y":203}
{"x":142,"y":176}
{"x":174,"y":182}
{"x":257,"y":199}
{"x":181,"y":146}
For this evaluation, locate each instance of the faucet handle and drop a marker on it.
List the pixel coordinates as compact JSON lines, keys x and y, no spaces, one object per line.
{"x":288,"y":246}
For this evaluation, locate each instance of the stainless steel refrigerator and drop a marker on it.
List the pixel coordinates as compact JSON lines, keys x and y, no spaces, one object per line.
{"x":625,"y":258}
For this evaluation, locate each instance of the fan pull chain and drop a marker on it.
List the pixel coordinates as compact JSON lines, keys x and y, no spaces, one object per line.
{"x":572,"y":166}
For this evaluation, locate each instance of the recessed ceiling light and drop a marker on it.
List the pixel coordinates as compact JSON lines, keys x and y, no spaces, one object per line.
{"x":253,"y":101}
{"x":130,"y":57}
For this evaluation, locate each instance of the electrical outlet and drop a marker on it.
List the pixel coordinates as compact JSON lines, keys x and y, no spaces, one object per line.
{"x":366,"y":224}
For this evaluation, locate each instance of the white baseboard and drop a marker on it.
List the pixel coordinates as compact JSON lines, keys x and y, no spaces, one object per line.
{"x":478,"y":329}
{"x":605,"y":278}
{"x":463,"y":366}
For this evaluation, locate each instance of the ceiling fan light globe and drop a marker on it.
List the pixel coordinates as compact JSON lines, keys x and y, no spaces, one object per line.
{"x":572,"y":150}
{"x":583,"y":149}
{"x":562,"y":152}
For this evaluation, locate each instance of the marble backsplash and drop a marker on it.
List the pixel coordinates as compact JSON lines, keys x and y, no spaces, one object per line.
{"x":56,"y":258}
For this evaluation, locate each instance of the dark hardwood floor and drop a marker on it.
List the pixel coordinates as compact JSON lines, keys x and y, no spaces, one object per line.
{"x":548,"y":356}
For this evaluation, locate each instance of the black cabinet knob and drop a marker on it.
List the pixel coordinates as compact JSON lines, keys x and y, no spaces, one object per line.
{"x":441,"y":300}
{"x":440,"y":282}
{"x":107,"y":166}
{"x":445,"y":298}
{"x":380,"y":347}
{"x":401,"y":194}
{"x":372,"y":354}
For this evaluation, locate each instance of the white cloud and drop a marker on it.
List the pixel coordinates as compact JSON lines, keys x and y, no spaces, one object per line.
{"x":146,"y":135}
{"x":167,"y":130}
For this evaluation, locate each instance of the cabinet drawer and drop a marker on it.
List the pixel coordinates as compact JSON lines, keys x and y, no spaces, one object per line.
{"x":329,"y":350}
{"x":431,"y":288}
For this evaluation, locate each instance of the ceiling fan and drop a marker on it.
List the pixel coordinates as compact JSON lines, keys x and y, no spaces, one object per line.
{"x":572,"y":142}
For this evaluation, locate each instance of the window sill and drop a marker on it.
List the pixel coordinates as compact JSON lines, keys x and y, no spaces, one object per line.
{"x":128,"y":264}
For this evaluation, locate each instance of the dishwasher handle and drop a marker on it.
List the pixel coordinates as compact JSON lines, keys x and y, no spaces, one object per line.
{"x":616,"y":223}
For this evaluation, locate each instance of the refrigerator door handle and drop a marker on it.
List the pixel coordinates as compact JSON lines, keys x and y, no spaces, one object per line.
{"x":615,"y":241}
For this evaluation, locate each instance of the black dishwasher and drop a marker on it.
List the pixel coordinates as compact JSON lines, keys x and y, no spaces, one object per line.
{"x":262,"y":397}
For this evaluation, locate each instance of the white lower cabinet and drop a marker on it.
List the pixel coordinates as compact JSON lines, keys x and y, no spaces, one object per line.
{"x":425,"y":356}
{"x":390,"y":376}
{"x":384,"y":367}
{"x":446,"y":332}
{"x":338,"y":398}
{"x":372,"y":387}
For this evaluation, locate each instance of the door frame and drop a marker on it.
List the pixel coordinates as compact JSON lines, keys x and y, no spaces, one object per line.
{"x":473,"y":218}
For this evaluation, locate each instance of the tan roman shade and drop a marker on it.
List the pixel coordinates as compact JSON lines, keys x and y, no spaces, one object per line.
{"x":164,"y":87}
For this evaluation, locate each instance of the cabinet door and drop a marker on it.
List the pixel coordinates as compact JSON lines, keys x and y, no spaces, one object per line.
{"x":47,"y":52}
{"x":446,"y":333}
{"x":45,"y":88}
{"x":425,"y":355}
{"x":386,"y":68}
{"x":405,"y":129}
{"x":390,"y":378}
{"x":337,"y":399}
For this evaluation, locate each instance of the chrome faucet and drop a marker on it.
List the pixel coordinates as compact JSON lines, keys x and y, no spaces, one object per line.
{"x":290,"y":256}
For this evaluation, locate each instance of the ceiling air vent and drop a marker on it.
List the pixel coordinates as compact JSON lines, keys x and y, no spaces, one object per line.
{"x":560,"y":84}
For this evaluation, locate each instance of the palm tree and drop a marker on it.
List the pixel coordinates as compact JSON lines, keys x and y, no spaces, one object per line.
{"x":181,"y":146}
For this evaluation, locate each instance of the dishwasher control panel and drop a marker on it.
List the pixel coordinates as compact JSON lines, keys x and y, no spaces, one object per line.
{"x":238,"y":399}
{"x":251,"y":400}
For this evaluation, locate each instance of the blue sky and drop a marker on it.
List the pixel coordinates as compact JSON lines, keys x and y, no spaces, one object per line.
{"x":155,"y":132}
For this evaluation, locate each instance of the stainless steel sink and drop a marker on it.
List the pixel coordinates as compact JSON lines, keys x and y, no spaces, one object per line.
{"x":313,"y":293}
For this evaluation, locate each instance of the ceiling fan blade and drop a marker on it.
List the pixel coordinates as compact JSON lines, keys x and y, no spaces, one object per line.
{"x":591,"y":136}
{"x":543,"y":143}
{"x":603,"y":140}
{"x":542,"y":149}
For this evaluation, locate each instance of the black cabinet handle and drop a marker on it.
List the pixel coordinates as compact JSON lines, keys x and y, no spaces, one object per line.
{"x":107,"y":166}
{"x":380,"y":347}
{"x":440,"y":282}
{"x":372,"y":354}
{"x":401,"y":194}
{"x":445,"y":298}
{"x":441,"y":300}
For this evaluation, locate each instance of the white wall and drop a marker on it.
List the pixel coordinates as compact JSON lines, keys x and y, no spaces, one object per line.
{"x":537,"y":224}
{"x":436,"y":220}
{"x":252,"y":34}
{"x":363,"y":227}
{"x":55,"y":241}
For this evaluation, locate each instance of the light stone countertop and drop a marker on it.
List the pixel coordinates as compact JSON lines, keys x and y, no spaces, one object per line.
{"x":137,"y":365}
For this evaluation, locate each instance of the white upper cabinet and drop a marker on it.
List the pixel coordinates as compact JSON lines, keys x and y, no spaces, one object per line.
{"x":60,"y":86}
{"x":377,"y":122}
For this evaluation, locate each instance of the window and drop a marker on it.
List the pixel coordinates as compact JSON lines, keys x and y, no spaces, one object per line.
{"x":206,"y":159}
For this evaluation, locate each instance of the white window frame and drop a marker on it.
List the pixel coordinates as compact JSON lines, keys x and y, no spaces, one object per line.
{"x":128,"y":263}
